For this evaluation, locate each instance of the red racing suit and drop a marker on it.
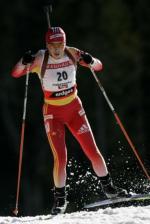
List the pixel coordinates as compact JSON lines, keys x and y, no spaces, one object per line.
{"x":62,"y":107}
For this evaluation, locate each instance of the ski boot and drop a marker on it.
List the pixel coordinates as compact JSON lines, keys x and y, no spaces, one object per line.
{"x":60,"y":203}
{"x":110,"y":190}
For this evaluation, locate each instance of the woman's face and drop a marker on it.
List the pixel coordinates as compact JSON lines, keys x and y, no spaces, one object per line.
{"x":56,"y":49}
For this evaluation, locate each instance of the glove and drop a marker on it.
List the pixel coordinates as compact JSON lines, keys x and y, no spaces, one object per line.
{"x":87,"y":58}
{"x":27,"y":58}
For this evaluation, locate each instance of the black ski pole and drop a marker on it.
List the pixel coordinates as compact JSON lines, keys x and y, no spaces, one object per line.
{"x":120,"y":124}
{"x":15,"y":211}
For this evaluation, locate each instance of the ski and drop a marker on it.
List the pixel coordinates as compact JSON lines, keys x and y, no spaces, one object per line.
{"x":107,"y":202}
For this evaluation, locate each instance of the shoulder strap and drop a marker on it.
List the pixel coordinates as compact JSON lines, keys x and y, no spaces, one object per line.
{"x":46,"y":60}
{"x":69,"y":54}
{"x":46,"y":54}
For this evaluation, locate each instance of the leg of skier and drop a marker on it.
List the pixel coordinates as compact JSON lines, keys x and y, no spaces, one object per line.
{"x":56,"y":137}
{"x":80,"y":128}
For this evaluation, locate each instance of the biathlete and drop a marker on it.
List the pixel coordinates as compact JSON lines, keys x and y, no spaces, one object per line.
{"x":56,"y":68}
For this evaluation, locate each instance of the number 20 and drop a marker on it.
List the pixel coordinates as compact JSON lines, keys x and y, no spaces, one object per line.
{"x":62,"y":76}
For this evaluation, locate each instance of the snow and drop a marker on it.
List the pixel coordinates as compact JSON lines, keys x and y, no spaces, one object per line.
{"x":123,"y":215}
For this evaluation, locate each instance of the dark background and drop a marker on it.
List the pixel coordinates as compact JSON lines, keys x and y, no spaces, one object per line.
{"x":115,"y":31}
